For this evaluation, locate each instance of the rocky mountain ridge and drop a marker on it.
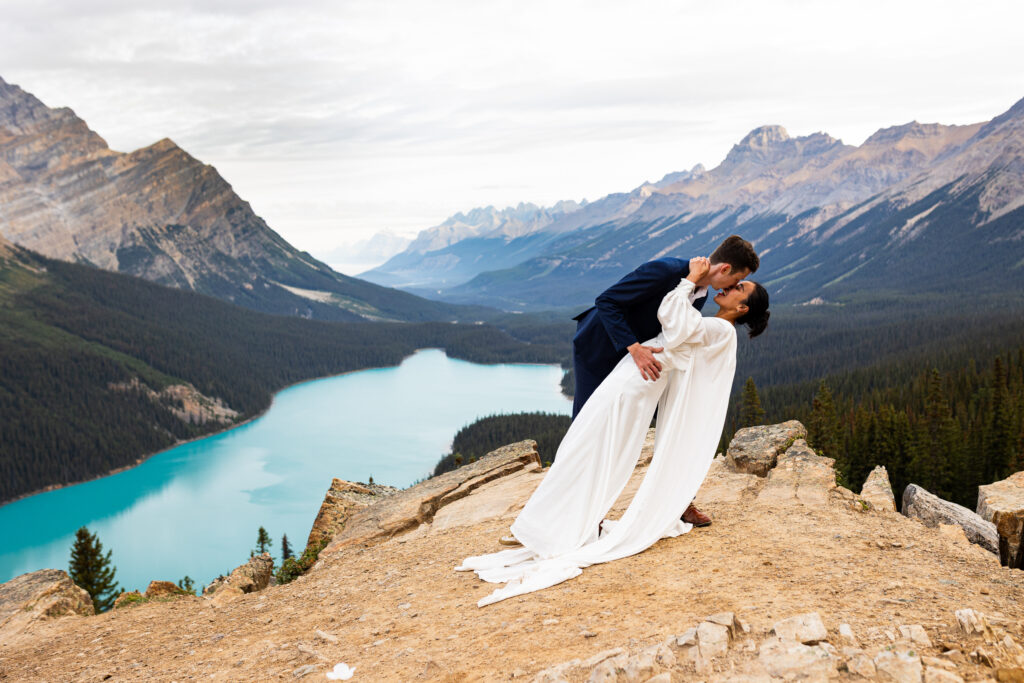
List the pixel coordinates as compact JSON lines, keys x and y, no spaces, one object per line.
{"x":161,"y":214}
{"x":797,"y":579}
{"x":810,"y":200}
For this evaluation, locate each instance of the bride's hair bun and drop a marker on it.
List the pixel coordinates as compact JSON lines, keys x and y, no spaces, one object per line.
{"x":756,"y":317}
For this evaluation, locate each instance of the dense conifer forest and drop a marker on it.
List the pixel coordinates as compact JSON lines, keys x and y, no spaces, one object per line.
{"x":486,"y":434}
{"x":68,"y":332}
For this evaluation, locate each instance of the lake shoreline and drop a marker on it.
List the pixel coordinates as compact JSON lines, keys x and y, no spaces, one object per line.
{"x":273,"y":398}
{"x":225,"y":429}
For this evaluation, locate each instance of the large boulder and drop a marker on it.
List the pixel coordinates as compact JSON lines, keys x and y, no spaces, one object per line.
{"x":343,"y":499}
{"x":1002,"y":503}
{"x":933,"y":511}
{"x":878,"y":491}
{"x":800,"y":477}
{"x":411,"y":507}
{"x":39,"y":596}
{"x":250,"y":577}
{"x":755,"y":450}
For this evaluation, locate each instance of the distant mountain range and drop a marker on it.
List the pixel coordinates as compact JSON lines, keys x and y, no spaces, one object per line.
{"x":915,"y":207}
{"x":160,"y":214}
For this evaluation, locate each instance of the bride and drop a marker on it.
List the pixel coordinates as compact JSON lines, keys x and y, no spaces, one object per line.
{"x":562,"y":527}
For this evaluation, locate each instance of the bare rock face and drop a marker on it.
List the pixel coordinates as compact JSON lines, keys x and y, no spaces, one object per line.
{"x":418,"y":504}
{"x":250,"y":577}
{"x":755,"y":450}
{"x":801,"y":477}
{"x":933,"y":511}
{"x":878,"y":491}
{"x":342,"y":500}
{"x":157,"y":213}
{"x":1002,"y":504}
{"x":37,"y":596}
{"x":158,"y":589}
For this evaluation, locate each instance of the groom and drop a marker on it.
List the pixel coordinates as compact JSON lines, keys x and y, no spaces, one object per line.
{"x":627,"y":313}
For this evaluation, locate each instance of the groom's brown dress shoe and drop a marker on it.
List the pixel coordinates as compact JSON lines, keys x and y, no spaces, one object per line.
{"x":696,"y":517}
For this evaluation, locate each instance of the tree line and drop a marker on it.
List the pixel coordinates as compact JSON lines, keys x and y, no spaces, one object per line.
{"x":948,"y":431}
{"x":68,"y":334}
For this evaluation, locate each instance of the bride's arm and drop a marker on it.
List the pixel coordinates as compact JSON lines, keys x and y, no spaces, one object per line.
{"x":681,"y":323}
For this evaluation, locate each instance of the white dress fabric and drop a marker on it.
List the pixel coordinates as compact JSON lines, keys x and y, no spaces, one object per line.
{"x":558,"y":527}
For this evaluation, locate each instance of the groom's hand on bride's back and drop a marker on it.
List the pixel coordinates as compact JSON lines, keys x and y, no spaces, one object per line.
{"x":644,"y":358}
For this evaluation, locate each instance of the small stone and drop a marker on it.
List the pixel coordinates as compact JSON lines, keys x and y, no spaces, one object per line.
{"x":713,"y":639}
{"x":304,"y":671}
{"x":404,"y":605}
{"x":973,"y":623}
{"x":640,"y":666}
{"x":663,"y":656}
{"x":984,"y":591}
{"x":326,"y":636}
{"x":803,"y":628}
{"x":916,"y":634}
{"x":726,"y":619}
{"x":899,"y":665}
{"x":846,"y":636}
{"x":608,"y":670}
{"x":859,"y":662}
{"x":550,"y":622}
{"x":936,"y":675}
{"x":601,"y":656}
{"x":588,"y":634}
{"x":790,"y":660}
{"x":664,"y":677}
{"x":687,"y":639}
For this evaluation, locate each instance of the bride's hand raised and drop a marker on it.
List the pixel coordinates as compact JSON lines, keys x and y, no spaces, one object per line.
{"x":699,"y":267}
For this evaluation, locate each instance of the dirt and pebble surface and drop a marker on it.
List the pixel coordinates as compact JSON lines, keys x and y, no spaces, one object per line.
{"x":396,"y":610}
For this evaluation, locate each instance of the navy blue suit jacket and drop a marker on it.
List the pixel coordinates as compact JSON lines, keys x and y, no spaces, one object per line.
{"x":625,"y":313}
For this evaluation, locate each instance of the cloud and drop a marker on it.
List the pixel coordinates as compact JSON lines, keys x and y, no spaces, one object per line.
{"x":336,"y":120}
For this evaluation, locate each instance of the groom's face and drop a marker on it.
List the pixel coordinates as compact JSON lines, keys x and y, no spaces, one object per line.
{"x":723,"y":276}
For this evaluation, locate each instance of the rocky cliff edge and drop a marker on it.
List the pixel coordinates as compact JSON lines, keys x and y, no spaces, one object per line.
{"x":797,"y":578}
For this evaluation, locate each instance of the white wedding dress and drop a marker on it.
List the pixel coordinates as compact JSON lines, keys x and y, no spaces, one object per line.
{"x":558,"y":527}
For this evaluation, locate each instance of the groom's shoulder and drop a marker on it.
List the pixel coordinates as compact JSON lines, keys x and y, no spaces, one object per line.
{"x":669,"y":265}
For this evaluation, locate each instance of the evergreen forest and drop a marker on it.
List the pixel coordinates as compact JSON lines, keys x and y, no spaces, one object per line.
{"x":68,"y":333}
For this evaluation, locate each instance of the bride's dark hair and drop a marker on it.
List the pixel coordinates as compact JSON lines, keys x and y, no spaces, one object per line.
{"x":756,"y":317}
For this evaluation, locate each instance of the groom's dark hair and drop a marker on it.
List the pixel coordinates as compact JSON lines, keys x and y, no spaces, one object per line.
{"x":738,"y":253}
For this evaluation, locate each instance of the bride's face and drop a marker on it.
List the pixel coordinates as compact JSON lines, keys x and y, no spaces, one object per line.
{"x":734,"y":299}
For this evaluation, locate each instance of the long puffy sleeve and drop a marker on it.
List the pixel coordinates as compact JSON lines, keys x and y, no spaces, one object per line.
{"x":637,"y":286}
{"x":681,"y":323}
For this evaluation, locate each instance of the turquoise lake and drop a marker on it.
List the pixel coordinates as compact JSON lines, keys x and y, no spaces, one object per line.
{"x":195,"y":509}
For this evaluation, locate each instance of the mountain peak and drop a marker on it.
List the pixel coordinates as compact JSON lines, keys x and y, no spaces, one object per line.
{"x":764,"y":136}
{"x":772,"y":144}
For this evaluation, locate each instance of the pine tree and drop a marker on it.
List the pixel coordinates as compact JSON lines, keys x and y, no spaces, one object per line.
{"x":187,"y":584}
{"x":751,"y":412}
{"x":263,"y":541}
{"x":93,"y":571}
{"x":824,"y":429}
{"x":286,"y":549}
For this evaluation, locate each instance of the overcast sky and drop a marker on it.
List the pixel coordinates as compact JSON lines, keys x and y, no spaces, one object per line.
{"x":339,"y":119}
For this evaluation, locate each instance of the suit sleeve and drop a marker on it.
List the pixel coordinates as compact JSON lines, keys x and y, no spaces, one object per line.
{"x":639,"y":285}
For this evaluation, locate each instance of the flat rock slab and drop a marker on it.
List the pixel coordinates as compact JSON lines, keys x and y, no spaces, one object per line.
{"x":38,"y":596}
{"x":878,"y":491}
{"x":407,"y":509}
{"x":723,"y":485}
{"x":801,"y":477}
{"x":504,"y":497}
{"x":1002,"y":503}
{"x":933,"y":511}
{"x":755,"y":450}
